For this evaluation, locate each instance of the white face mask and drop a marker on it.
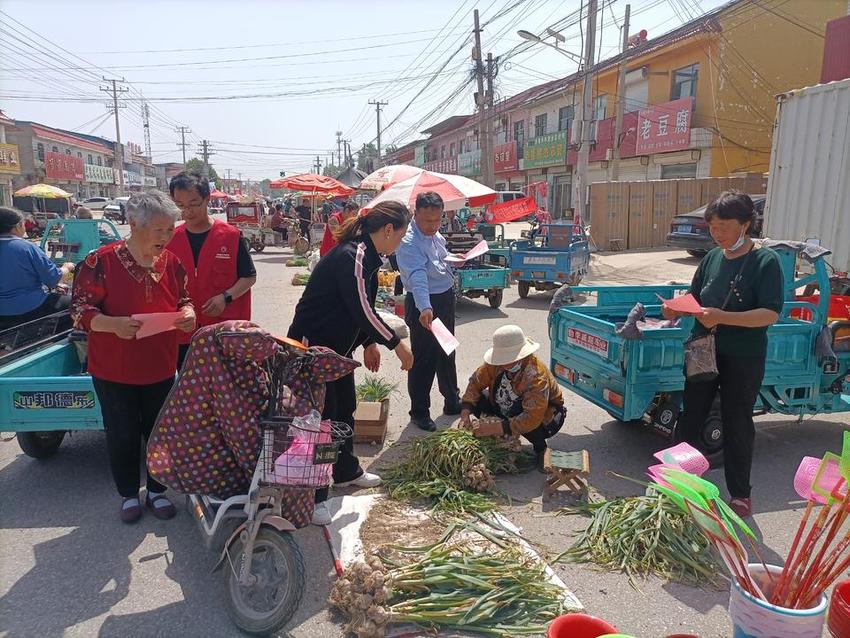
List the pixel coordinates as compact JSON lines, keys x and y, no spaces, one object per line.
{"x":738,"y":243}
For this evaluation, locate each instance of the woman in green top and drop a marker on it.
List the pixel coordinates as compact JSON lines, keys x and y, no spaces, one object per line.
{"x":741,"y":335}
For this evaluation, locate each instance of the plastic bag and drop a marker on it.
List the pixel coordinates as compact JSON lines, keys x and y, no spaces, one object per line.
{"x":295,"y":465}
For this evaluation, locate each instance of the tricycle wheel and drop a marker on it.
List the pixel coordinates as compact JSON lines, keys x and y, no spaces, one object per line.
{"x":523,"y":287}
{"x":278,"y":571}
{"x":258,"y":246}
{"x":40,"y":445}
{"x":711,"y":435}
{"x":496,"y":299}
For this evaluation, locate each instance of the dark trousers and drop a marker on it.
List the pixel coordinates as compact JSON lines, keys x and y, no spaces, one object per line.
{"x":304,"y":225}
{"x":537,"y":437}
{"x":182,"y":351}
{"x":54,"y":303}
{"x":429,"y":358}
{"x":340,"y":403}
{"x":129,"y":412}
{"x":739,"y":382}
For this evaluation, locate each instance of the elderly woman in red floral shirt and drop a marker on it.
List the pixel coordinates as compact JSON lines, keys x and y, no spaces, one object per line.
{"x":132,"y":376}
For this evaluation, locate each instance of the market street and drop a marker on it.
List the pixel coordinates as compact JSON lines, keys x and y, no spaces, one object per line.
{"x":71,"y":568}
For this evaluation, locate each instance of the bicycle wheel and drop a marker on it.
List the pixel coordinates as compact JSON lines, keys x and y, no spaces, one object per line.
{"x":278,"y":568}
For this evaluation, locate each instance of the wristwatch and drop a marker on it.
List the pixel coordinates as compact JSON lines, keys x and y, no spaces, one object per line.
{"x":227,"y":297}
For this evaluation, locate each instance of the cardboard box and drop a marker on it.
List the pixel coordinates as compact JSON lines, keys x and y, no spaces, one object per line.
{"x":370,"y":421}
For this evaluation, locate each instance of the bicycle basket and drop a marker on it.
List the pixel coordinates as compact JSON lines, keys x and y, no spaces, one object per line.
{"x":296,"y":455}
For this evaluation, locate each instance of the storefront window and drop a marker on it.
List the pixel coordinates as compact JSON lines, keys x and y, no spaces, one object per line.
{"x":99,"y":161}
{"x":80,"y":155}
{"x":685,"y":82}
{"x":67,"y":151}
{"x":540,"y":123}
{"x":452,"y":149}
{"x":599,"y":106}
{"x":89,"y":160}
{"x":55,"y":149}
{"x":561,"y":198}
{"x":565,"y":117}
{"x":40,"y":151}
{"x":678,"y":171}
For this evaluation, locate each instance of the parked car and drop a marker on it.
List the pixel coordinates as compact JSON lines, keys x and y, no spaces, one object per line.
{"x":690,"y":230}
{"x":116,"y":210}
{"x":96,"y":203}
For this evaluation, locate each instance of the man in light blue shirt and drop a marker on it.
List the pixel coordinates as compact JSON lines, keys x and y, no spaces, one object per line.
{"x":429,"y":281}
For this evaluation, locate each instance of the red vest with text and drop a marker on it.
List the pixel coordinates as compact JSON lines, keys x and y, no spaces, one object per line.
{"x":215,"y":272}
{"x":328,"y":241}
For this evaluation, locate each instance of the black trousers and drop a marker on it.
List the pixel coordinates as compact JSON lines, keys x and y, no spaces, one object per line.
{"x":738,"y":382}
{"x":129,"y":413}
{"x":537,"y":437}
{"x":429,"y":358}
{"x":340,"y":403}
{"x":54,"y":303}
{"x":304,"y":225}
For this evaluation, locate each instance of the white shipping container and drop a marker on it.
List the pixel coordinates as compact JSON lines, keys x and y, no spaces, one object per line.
{"x":808,"y":188}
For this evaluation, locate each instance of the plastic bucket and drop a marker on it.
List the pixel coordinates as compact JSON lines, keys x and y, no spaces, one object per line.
{"x":839,"y":611}
{"x":579,"y":626}
{"x":753,"y":618}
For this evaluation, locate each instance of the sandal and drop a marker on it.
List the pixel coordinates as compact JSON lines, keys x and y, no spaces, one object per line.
{"x":743,"y":507}
{"x":130,"y":511}
{"x":161,"y":507}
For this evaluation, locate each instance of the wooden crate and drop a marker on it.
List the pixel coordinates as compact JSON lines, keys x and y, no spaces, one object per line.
{"x":370,"y":421}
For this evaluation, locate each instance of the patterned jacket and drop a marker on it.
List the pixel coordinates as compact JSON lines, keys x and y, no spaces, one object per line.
{"x":534,"y":384}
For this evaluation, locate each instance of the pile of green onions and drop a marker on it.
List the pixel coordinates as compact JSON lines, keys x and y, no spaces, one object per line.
{"x":454,"y":469}
{"x":641,"y":536}
{"x":449,"y":585}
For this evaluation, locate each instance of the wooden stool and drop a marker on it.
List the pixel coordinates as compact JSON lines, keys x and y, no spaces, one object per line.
{"x":615,"y":244}
{"x":569,"y":469}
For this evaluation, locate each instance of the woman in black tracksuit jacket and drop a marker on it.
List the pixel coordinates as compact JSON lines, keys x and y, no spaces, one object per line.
{"x":337,"y":311}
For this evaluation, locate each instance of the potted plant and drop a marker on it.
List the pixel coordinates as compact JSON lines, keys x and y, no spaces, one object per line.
{"x":373,"y":409}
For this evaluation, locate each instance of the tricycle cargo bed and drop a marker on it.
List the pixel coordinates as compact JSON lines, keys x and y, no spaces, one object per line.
{"x":46,"y":390}
{"x":624,"y":376}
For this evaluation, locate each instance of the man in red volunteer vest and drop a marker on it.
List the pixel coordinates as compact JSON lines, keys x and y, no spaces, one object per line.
{"x":336,"y":220}
{"x":215,"y":255}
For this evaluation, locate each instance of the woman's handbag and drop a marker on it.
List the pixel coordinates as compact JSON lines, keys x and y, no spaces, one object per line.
{"x":701,"y":352}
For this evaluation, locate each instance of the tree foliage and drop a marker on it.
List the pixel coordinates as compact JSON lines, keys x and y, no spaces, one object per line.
{"x":197,"y":164}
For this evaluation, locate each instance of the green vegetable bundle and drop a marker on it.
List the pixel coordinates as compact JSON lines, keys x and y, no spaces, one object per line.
{"x":300,"y":279}
{"x":453,"y":585}
{"x":297,"y":262}
{"x":375,"y":388}
{"x":455,"y":469}
{"x":644,"y":535}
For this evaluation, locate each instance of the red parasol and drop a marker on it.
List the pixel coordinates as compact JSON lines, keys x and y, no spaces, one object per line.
{"x":217,"y":194}
{"x":312,"y":183}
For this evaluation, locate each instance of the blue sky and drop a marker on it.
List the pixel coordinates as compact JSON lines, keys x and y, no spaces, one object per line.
{"x":269,"y":82}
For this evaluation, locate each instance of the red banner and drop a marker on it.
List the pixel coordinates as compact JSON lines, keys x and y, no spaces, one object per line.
{"x":67,"y":167}
{"x":665,"y":127}
{"x":509,"y":211}
{"x":505,"y":158}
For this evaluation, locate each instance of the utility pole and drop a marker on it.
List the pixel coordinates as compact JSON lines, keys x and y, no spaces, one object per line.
{"x":378,"y":104}
{"x":119,"y":150}
{"x":580,"y":179}
{"x":339,"y":148}
{"x":481,"y":102}
{"x":487,"y":167}
{"x":146,"y":121}
{"x":621,"y":100}
{"x":183,"y":145}
{"x":318,"y":164}
{"x":205,"y":154}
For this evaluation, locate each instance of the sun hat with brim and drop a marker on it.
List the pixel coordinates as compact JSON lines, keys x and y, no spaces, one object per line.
{"x":509,"y":344}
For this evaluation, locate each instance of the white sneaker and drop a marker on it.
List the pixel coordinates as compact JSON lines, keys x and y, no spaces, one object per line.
{"x":366,"y":479}
{"x":321,"y":515}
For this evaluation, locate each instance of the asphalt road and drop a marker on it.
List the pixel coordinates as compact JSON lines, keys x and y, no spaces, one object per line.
{"x":68,"y":567}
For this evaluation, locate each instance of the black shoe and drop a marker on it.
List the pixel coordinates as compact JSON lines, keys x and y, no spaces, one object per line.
{"x":452,"y":409}
{"x":424,"y":423}
{"x":539,"y":458}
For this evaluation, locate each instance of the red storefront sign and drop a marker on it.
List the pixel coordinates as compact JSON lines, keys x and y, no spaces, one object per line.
{"x":67,"y":167}
{"x":445,"y":165}
{"x":505,"y":158}
{"x":665,"y":127}
{"x":511,"y":210}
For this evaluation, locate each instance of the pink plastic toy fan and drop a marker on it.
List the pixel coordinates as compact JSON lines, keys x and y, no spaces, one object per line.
{"x":684,"y":456}
{"x":828,"y":484}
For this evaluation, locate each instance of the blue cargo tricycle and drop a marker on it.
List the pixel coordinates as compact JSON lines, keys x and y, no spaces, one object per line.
{"x":72,"y":239}
{"x":477,"y":278}
{"x":643,"y":379}
{"x":554,"y":255}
